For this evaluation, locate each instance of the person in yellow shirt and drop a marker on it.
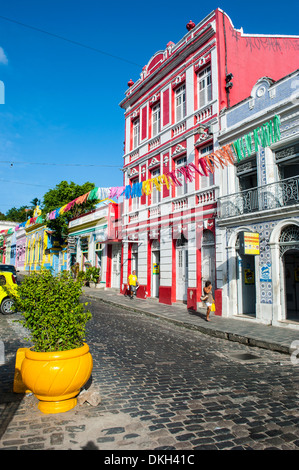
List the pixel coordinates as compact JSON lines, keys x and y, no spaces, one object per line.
{"x":132,"y":284}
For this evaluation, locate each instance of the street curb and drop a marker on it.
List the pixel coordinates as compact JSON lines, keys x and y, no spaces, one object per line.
{"x":227,"y":335}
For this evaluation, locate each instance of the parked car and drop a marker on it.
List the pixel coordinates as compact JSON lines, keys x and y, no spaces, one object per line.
{"x":9,"y":268}
{"x":8,"y":280}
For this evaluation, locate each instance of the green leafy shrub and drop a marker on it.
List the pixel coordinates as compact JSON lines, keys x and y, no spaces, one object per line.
{"x":81,"y":276}
{"x":92,"y":274}
{"x":52,"y":312}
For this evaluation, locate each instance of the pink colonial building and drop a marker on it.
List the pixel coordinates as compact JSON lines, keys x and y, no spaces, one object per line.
{"x":171,"y":126}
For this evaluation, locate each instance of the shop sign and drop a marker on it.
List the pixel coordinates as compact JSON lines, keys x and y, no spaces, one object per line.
{"x":156,"y":268}
{"x":249,"y":243}
{"x":265,"y":274}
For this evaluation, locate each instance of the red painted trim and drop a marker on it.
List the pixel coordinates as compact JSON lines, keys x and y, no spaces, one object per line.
{"x":197,"y":176}
{"x":165,"y":295}
{"x":150,"y":119}
{"x":129,"y":259}
{"x":165,"y":169}
{"x":144,"y":123}
{"x":195,"y":90}
{"x":149,"y":264}
{"x":192,"y":294}
{"x":154,"y":63}
{"x":141,"y":292}
{"x":121,"y":267}
{"x":172,"y":169}
{"x":154,"y":152}
{"x":166,"y":103}
{"x":198,"y":266}
{"x":131,"y":135}
{"x":173,"y":290}
{"x":143,"y":177}
{"x":172,"y":106}
{"x":156,"y":88}
{"x":218,"y":301}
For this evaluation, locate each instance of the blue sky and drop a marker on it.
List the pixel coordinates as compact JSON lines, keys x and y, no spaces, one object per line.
{"x":62,"y":100}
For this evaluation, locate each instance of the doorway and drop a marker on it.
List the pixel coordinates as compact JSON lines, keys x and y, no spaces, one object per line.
{"x":246,"y":290}
{"x":208,"y":258}
{"x":182,"y":268}
{"x":155,"y":268}
{"x":116,"y":265}
{"x":291,"y":284}
{"x":134,"y":258}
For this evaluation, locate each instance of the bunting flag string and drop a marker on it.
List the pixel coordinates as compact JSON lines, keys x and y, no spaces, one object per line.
{"x":267,"y":134}
{"x":241,"y":148}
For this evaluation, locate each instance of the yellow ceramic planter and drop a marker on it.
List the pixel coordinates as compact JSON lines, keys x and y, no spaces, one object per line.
{"x":56,"y":378}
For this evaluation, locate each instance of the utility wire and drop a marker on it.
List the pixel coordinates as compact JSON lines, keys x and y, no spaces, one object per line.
{"x":20,"y":182}
{"x":56,"y":164}
{"x":71,"y":41}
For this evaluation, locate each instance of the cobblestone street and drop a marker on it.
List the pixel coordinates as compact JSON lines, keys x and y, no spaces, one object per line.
{"x":162,"y":387}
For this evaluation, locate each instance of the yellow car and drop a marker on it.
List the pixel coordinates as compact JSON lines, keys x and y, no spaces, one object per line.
{"x":8,"y":281}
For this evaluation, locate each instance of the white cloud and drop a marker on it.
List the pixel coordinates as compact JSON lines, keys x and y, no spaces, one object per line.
{"x":3,"y":58}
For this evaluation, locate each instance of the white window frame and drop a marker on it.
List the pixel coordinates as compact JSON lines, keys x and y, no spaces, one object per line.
{"x":180,"y":103}
{"x":156,"y":119}
{"x":181,"y":190}
{"x":136,"y":133}
{"x":156,"y":195}
{"x":135,"y":200}
{"x":205,"y":87}
{"x":206,"y":181}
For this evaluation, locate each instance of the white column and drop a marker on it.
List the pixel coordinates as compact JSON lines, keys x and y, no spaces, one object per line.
{"x":192,"y":255}
{"x":142,"y":258}
{"x":125,"y":264}
{"x":166,"y":257}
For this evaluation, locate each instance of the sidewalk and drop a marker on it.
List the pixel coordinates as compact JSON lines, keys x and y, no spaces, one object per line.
{"x":245,"y":330}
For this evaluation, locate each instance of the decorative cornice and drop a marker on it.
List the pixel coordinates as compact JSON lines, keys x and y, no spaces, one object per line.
{"x":154,"y":161}
{"x":179,"y":150}
{"x":179,"y":53}
{"x":179,"y":80}
{"x":203,"y":62}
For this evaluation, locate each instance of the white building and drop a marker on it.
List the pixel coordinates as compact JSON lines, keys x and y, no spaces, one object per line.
{"x":260,"y":194}
{"x":171,"y":119}
{"x":93,"y":241}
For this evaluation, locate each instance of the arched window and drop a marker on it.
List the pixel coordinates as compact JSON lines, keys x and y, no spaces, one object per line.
{"x":289,"y":239}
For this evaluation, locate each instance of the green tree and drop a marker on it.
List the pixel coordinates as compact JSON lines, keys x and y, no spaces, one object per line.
{"x":62,"y":194}
{"x":22,"y":213}
{"x":18,"y":215}
{"x":35,"y":202}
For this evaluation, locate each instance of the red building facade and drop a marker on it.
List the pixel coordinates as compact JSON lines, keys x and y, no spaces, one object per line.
{"x":171,"y":125}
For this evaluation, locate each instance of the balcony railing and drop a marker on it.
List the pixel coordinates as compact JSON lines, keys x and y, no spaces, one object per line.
{"x":179,"y":128}
{"x":154,"y":211}
{"x":204,"y":113}
{"x":134,"y":216}
{"x":206,"y":196}
{"x":271,"y":196}
{"x":180,"y":204}
{"x":154,"y":143}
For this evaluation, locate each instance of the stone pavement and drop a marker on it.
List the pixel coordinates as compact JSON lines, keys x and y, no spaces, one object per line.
{"x":243,"y":329}
{"x":162,"y":388}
